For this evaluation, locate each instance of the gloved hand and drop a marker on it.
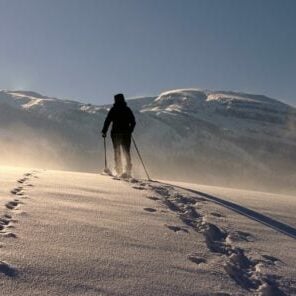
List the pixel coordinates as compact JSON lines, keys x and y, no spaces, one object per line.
{"x":104,"y":135}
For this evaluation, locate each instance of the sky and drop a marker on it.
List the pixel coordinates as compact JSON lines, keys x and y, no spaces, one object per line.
{"x":89,"y":50}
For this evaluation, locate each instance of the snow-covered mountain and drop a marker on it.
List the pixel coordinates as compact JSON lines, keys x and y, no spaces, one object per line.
{"x":188,"y":134}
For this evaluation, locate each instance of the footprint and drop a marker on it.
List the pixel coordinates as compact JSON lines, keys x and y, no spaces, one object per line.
{"x":4,"y":221}
{"x":177,"y":228}
{"x":10,"y":235}
{"x":239,"y":276}
{"x":239,"y":236}
{"x":12,"y":205}
{"x":196,"y":259}
{"x":173,"y":207}
{"x":164,"y":192}
{"x":152,"y":197}
{"x":139,"y":187}
{"x":186,"y":200}
{"x":191,"y":212}
{"x":217,"y":214}
{"x":7,"y":270}
{"x":188,"y":220}
{"x":133,"y":180}
{"x":214,"y":233}
{"x":247,"y":273}
{"x":215,"y":239}
{"x":271,"y":260}
{"x":151,"y":210}
{"x":16,"y":190}
{"x":21,"y":181}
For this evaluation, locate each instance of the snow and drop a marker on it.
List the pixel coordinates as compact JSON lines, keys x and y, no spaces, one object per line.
{"x":67,"y":233}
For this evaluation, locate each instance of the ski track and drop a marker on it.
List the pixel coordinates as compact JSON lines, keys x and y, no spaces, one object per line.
{"x":7,"y":220}
{"x":244,"y":270}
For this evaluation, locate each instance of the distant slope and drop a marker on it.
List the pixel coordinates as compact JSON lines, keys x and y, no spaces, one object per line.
{"x":214,"y":137}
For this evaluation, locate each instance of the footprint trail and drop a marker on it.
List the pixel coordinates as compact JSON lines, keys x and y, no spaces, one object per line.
{"x":238,"y":265}
{"x":6,"y":220}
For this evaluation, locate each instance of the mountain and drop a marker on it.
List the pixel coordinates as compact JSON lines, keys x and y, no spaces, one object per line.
{"x":213,"y":137}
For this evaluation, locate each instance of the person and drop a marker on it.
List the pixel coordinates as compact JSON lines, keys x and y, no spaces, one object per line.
{"x":123,"y":124}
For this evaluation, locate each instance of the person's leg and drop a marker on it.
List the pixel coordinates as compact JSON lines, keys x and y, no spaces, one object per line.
{"x":117,"y":153}
{"x":126,"y":147}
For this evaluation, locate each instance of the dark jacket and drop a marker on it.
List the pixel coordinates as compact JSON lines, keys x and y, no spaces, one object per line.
{"x":122,"y":118}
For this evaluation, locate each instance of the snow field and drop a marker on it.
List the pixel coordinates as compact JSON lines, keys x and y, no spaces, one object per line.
{"x":87,"y":234}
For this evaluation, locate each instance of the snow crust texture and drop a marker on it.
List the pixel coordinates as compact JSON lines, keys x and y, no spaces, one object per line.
{"x":87,"y":234}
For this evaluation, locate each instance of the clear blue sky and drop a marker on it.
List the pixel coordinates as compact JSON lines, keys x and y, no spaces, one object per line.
{"x":90,"y":49}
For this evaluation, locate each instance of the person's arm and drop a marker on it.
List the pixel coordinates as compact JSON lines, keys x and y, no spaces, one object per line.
{"x":107,"y":122}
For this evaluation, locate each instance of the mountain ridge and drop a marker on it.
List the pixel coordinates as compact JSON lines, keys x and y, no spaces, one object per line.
{"x":184,"y":134}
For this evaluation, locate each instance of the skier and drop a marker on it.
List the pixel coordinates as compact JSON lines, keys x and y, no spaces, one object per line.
{"x":123,"y":124}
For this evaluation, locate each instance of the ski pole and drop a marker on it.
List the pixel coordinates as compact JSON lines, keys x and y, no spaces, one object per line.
{"x":141,"y":158}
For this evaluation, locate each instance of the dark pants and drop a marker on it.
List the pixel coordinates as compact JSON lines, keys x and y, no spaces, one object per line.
{"x":122,"y":141}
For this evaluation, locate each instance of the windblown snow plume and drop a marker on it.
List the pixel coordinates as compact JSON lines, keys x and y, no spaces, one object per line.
{"x":218,"y":137}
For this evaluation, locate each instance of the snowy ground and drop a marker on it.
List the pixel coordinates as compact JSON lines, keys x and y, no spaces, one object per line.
{"x":65,"y":233}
